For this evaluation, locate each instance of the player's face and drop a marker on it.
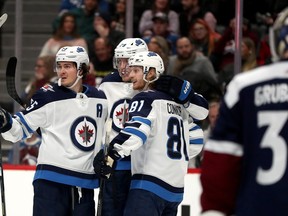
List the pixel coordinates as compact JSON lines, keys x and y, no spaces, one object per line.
{"x":123,"y":69}
{"x":136,"y":76}
{"x":67,"y":71}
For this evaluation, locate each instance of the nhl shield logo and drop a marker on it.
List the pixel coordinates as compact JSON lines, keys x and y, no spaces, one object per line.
{"x":83,"y":133}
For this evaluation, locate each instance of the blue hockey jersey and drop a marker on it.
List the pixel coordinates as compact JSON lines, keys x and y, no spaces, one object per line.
{"x":244,"y":169}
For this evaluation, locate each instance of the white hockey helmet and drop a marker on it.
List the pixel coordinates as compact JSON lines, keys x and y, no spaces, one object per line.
{"x":129,"y":47}
{"x":148,"y":59}
{"x":75,"y":54}
{"x":278,"y":35}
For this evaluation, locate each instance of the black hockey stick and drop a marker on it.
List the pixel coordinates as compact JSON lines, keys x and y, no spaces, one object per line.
{"x":2,"y":184}
{"x":11,"y":89}
{"x":10,"y":81}
{"x":108,"y":127}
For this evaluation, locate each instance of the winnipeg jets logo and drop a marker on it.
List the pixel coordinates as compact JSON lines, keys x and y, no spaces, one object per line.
{"x":122,"y":114}
{"x":83,"y":133}
{"x":119,"y":114}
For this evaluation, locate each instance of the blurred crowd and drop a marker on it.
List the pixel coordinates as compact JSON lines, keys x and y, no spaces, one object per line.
{"x":195,"y":39}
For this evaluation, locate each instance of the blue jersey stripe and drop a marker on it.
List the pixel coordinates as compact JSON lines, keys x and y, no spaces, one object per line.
{"x":66,"y":179}
{"x":142,"y":120}
{"x":157,"y":189}
{"x":196,"y":141}
{"x":137,"y":133}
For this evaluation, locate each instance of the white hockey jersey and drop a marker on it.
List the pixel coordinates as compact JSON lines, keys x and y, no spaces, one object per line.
{"x":72,"y":128}
{"x":118,"y":95}
{"x":157,"y":137}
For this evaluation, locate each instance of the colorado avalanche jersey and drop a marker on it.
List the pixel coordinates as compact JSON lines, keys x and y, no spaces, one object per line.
{"x":118,"y":94}
{"x":157,"y":136}
{"x":244,"y":170}
{"x":72,"y":130}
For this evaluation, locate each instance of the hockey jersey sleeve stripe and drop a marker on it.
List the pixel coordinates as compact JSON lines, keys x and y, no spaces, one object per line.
{"x":25,"y":127}
{"x":198,"y":141}
{"x":136,"y":132}
{"x":224,"y":147}
{"x":194,"y":127}
{"x":142,"y":120}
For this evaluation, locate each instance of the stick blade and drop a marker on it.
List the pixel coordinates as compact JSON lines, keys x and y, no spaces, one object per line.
{"x":10,"y":80}
{"x":3,"y":19}
{"x":11,"y":67}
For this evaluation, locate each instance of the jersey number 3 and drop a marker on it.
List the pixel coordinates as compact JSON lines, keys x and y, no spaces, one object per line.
{"x":273,"y":140}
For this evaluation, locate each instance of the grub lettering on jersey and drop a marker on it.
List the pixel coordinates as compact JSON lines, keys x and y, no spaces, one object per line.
{"x":174,"y":109}
{"x":271,"y":94}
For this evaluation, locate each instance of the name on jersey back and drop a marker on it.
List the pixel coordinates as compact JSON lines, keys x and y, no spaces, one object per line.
{"x":173,"y":109}
{"x":271,"y":94}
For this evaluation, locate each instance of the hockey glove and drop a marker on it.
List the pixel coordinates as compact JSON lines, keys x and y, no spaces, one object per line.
{"x":5,"y":120}
{"x":101,"y":167}
{"x":180,"y":90}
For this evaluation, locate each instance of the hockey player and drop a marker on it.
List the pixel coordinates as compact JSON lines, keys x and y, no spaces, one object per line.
{"x":119,"y":91}
{"x":156,"y":136}
{"x":71,"y":117}
{"x":244,"y":169}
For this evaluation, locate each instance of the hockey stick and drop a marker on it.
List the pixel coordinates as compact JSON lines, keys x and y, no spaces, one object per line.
{"x":2,"y":184}
{"x":3,"y":19}
{"x":108,"y":126}
{"x":11,"y":89}
{"x":10,"y":81}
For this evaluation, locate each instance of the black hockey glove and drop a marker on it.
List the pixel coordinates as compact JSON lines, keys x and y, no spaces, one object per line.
{"x":5,"y":120}
{"x":101,"y":167}
{"x":180,"y":90}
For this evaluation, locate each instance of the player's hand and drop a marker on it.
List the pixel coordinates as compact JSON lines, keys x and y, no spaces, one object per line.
{"x":5,"y":120}
{"x":180,"y":90}
{"x":101,"y":167}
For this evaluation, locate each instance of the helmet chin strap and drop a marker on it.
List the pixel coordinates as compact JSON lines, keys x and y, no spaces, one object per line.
{"x":76,"y":81}
{"x":148,"y":82}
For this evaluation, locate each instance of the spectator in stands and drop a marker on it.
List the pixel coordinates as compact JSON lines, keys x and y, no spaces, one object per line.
{"x":248,"y":62}
{"x":102,"y":61}
{"x":160,"y":28}
{"x":102,"y":28}
{"x":65,"y":35}
{"x":194,"y":67}
{"x":248,"y":54}
{"x":192,"y":10}
{"x":118,"y":20}
{"x":159,"y":45}
{"x":43,"y":74}
{"x":146,"y":23}
{"x":203,"y":37}
{"x":67,"y":5}
{"x":85,"y":18}
{"x":223,"y":54}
